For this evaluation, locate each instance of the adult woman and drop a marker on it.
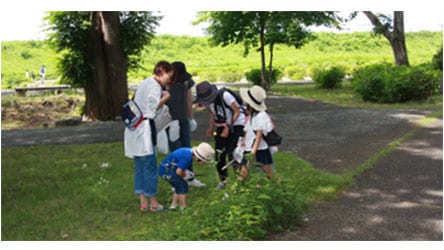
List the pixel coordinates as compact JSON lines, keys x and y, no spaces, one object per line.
{"x":140,"y":143}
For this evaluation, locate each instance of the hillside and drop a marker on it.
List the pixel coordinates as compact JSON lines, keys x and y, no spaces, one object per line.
{"x":205,"y":62}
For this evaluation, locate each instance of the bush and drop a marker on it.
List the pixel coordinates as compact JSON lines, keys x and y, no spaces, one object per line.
{"x":387,"y":83}
{"x":247,"y":211}
{"x":437,"y":60}
{"x":329,"y":79}
{"x":254,"y":76}
{"x":296,"y":72}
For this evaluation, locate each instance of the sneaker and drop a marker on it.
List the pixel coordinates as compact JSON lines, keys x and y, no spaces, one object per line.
{"x":196,"y":183}
{"x":221,"y":185}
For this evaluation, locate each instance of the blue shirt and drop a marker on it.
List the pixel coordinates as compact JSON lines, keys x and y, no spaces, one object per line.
{"x":180,"y":158}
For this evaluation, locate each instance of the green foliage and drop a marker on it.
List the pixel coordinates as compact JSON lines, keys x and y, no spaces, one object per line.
{"x":437,"y":60}
{"x":387,"y":83}
{"x":254,"y":76}
{"x":35,"y":204}
{"x":330,"y":78}
{"x":71,"y":37}
{"x":205,"y":62}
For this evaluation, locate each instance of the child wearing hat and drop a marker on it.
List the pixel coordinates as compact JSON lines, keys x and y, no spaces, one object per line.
{"x":175,"y":166}
{"x":257,"y":124}
{"x":226,"y":124}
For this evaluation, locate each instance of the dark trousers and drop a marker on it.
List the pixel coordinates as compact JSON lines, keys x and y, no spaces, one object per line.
{"x":225,"y":147}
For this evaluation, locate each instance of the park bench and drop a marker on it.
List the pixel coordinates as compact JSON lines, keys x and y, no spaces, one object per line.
{"x":57,"y":88}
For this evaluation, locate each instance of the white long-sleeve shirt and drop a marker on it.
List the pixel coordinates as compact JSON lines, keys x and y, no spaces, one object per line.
{"x":138,"y":142}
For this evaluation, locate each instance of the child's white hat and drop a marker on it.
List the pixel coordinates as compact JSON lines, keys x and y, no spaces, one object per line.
{"x":255,"y":97}
{"x":204,"y":152}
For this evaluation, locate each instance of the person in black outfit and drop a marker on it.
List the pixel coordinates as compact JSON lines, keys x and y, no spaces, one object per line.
{"x":227,"y":121}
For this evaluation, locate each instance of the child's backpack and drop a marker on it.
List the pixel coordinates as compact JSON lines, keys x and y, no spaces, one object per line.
{"x":131,"y":115}
{"x":220,"y":104}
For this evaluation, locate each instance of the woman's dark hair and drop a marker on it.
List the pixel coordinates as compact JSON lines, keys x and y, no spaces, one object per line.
{"x":164,"y":66}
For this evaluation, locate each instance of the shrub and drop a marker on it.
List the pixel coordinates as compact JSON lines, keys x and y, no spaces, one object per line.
{"x":296,"y":72}
{"x":254,"y":76}
{"x":329,"y":79}
{"x":245,"y":211}
{"x":387,"y":83}
{"x":437,"y":60}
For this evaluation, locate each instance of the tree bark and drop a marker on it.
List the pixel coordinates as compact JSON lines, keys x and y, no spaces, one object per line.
{"x":270,"y":67}
{"x":107,"y":89}
{"x":395,"y":37}
{"x":262,"y":50}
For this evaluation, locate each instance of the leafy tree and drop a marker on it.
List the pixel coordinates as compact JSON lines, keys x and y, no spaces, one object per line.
{"x":262,"y":28}
{"x":97,"y":50}
{"x":393,"y":32}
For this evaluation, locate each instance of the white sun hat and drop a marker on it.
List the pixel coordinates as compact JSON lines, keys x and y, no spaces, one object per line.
{"x":255,"y":97}
{"x":204,"y":152}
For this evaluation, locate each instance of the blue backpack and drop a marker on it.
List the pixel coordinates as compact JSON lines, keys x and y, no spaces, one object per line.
{"x":131,"y":115}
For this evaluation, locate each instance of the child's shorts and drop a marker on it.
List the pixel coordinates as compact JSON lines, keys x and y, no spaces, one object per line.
{"x":179,"y":184}
{"x":264,"y":156}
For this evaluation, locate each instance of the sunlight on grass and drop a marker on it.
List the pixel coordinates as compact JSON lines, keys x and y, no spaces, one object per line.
{"x":66,"y":193}
{"x":346,"y":97}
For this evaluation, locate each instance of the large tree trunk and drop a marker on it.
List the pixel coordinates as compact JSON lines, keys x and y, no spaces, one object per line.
{"x":107,"y":90}
{"x":395,"y":37}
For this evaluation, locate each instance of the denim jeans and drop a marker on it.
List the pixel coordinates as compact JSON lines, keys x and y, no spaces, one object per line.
{"x":145,"y":175}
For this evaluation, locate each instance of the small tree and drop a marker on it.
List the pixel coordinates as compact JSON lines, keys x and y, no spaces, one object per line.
{"x":262,"y":28}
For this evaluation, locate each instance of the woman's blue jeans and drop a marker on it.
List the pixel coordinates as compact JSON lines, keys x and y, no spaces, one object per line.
{"x":145,"y":175}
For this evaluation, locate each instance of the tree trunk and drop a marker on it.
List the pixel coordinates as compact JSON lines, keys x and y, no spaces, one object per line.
{"x":107,"y":89}
{"x":262,"y":49}
{"x":395,"y":37}
{"x":270,"y":67}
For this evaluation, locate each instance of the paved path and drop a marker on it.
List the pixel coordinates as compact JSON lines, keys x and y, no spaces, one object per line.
{"x":398,"y":199}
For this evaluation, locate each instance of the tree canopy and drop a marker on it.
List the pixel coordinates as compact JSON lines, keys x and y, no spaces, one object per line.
{"x":98,"y":48}
{"x":262,"y":28}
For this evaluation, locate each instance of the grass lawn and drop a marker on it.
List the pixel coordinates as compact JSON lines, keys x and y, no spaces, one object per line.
{"x":84,"y":192}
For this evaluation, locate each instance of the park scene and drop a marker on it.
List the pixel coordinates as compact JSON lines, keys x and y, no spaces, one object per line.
{"x":359,"y":113}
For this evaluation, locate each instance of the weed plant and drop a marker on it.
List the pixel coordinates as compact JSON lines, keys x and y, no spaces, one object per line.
{"x":85,"y":192}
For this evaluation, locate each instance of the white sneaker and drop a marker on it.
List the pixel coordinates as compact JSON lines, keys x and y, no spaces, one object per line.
{"x":196,"y":183}
{"x":221,"y":185}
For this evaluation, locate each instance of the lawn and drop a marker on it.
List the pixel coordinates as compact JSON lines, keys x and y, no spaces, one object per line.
{"x":84,"y":192}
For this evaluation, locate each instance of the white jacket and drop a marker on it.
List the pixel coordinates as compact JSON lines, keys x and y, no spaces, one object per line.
{"x":138,"y":142}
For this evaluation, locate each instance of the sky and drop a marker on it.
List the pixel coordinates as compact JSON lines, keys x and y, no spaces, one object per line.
{"x":19,"y":23}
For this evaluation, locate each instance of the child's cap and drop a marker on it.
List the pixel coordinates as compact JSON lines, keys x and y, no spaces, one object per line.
{"x":204,"y":152}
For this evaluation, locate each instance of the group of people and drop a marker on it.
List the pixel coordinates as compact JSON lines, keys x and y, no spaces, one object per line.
{"x":236,"y":123}
{"x":42,"y":74}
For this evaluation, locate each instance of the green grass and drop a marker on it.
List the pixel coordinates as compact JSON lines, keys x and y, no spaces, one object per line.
{"x":227,"y":64}
{"x":345,"y":96}
{"x":84,"y":192}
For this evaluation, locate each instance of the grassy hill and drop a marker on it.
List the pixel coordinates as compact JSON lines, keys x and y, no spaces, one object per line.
{"x":205,"y":62}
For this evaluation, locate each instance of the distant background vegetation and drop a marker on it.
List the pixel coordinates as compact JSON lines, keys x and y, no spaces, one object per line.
{"x":227,"y":64}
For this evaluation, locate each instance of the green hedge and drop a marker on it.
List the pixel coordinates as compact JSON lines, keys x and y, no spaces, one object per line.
{"x":387,"y":83}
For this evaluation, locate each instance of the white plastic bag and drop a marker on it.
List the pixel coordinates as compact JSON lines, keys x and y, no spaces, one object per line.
{"x":163,"y":118}
{"x":174,"y":130}
{"x":162,"y":142}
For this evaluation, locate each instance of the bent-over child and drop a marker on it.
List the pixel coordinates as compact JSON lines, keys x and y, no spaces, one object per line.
{"x":175,"y":166}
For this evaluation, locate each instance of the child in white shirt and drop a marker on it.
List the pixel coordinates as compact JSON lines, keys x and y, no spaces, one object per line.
{"x":258,"y":123}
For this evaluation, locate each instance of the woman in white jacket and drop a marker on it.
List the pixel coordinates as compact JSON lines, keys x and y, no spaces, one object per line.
{"x":140,"y":143}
